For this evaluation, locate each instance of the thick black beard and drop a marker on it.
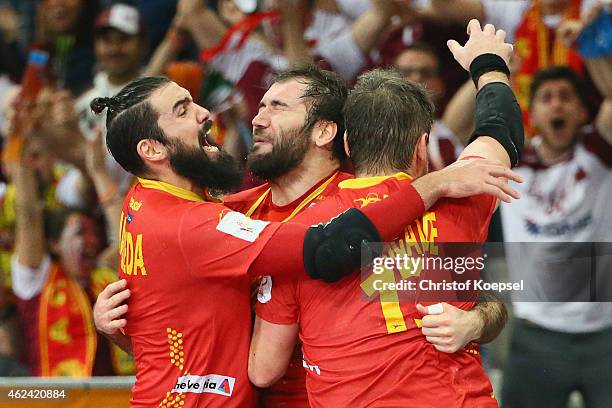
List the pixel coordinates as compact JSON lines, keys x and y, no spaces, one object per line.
{"x":287,"y":153}
{"x":223,"y":174}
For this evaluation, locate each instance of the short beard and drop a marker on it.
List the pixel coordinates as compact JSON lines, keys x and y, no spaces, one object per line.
{"x":288,"y":152}
{"x":222,"y":174}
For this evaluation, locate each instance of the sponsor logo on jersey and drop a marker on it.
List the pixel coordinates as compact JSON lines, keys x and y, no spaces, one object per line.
{"x":369,"y":199}
{"x":211,"y":384}
{"x":135,"y":205}
{"x":241,"y":226}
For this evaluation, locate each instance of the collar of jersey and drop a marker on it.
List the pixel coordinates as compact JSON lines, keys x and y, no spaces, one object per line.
{"x":364,"y":182}
{"x":173,"y":190}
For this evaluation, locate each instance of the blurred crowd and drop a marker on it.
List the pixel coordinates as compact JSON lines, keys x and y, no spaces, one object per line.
{"x":61,"y":192}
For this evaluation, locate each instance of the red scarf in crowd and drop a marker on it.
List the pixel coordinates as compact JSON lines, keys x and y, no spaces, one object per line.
{"x":67,"y":337}
{"x":538,"y":48}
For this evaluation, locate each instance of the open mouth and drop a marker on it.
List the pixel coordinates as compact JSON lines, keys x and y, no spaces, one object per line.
{"x":557,"y":123}
{"x":204,"y":133}
{"x":203,"y":137}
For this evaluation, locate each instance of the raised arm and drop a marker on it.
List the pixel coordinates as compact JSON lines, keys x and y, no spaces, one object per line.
{"x":370,"y":25}
{"x":170,"y":47}
{"x":292,"y":23}
{"x":204,"y":25}
{"x":106,"y":188}
{"x":499,"y":133}
{"x":30,"y":243}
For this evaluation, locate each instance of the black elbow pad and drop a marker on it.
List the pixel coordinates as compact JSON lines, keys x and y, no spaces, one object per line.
{"x":499,"y":116}
{"x":333,"y":250}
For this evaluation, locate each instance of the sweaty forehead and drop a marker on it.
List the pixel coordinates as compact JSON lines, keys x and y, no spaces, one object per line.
{"x":289,"y":92}
{"x":164,"y":98}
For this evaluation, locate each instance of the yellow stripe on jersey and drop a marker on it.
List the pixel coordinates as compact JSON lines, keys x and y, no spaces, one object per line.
{"x":170,"y":189}
{"x":394,"y":318}
{"x":364,"y":182}
{"x":389,"y":300}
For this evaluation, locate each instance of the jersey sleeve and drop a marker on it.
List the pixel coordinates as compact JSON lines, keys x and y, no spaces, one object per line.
{"x":277,"y":300}
{"x":216,"y":241}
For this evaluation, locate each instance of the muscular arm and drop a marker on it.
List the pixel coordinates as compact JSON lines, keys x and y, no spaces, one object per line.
{"x":488,"y":147}
{"x":271,"y":349}
{"x":497,"y":112}
{"x":493,"y":315}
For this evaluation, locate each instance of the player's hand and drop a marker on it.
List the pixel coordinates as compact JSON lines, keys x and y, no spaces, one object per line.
{"x":450,"y":330}
{"x":466,"y":178}
{"x":110,"y":307}
{"x":482,"y":41}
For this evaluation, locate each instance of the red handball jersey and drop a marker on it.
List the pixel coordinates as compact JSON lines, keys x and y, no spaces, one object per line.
{"x":360,"y":352}
{"x":290,"y":390}
{"x":189,"y":312}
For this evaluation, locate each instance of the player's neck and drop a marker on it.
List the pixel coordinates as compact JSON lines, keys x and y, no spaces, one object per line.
{"x":292,"y":185}
{"x":178,"y":181}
